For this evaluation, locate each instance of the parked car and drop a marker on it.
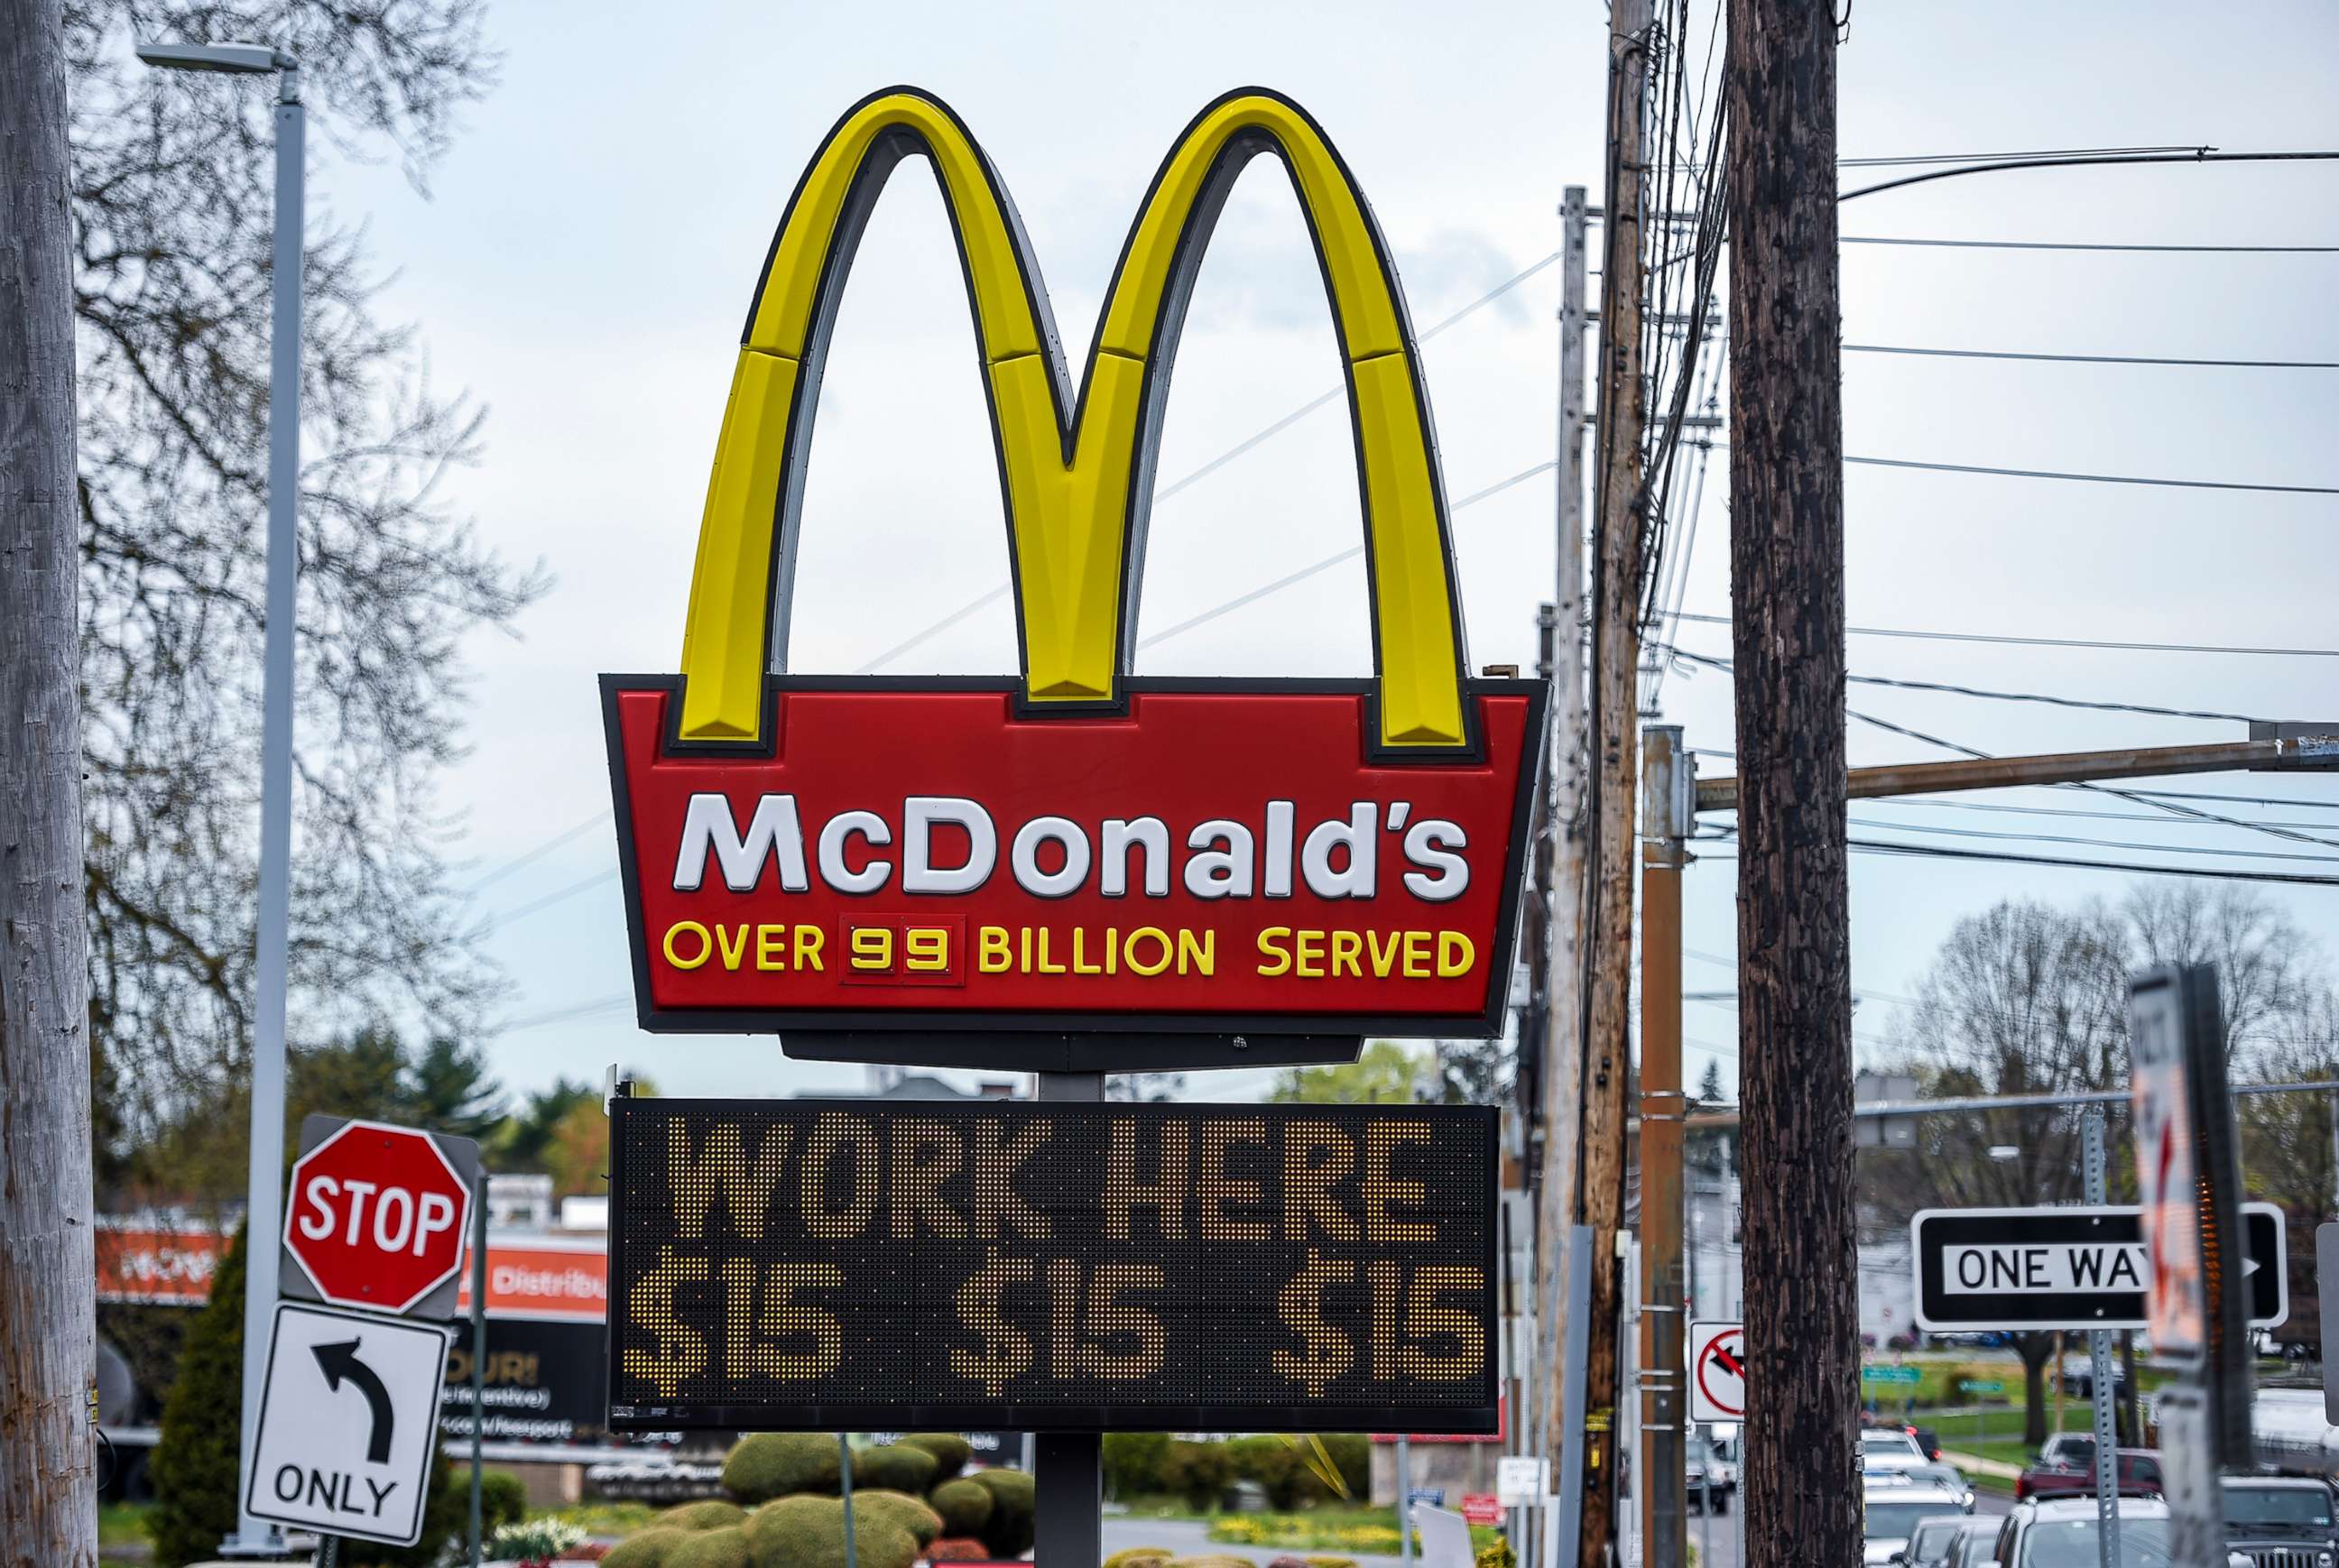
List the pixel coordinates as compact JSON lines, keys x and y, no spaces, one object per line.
{"x":1935,"y":1540}
{"x":1878,"y":1441}
{"x":1891,"y":1511}
{"x":1976,"y":1539}
{"x":1946,"y":1476}
{"x":2137,"y":1474}
{"x":2062,"y":1532}
{"x":2281,"y":1521}
{"x":2067,"y":1448}
{"x":2080,"y":1383}
{"x":1713,"y":1479}
{"x":1927,"y":1439}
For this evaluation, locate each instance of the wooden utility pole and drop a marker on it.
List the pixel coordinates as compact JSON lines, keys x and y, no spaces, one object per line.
{"x":48,"y":1269}
{"x":1561,"y":1090}
{"x":1801,"y":1481}
{"x":1619,"y":561}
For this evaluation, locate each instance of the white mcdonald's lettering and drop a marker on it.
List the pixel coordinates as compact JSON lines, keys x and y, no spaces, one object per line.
{"x":1053,"y":856}
{"x":2060,"y":1269}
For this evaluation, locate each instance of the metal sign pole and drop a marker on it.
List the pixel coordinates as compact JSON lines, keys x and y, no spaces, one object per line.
{"x":1404,"y":1502}
{"x":2099,"y":1365}
{"x":1068,"y":1467}
{"x":1567,"y":1529}
{"x":844,"y":1483}
{"x":480,"y":1349}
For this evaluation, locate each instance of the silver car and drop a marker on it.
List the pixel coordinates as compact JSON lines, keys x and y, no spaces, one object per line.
{"x":1890,"y":1515}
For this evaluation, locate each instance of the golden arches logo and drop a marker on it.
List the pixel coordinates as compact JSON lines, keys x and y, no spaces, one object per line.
{"x":1077,"y":474}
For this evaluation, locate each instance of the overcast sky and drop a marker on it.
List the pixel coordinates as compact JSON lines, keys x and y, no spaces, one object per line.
{"x":588,"y":250}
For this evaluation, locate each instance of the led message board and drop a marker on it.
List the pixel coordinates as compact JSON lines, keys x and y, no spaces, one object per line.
{"x":1071,"y":848}
{"x":840,"y":1265}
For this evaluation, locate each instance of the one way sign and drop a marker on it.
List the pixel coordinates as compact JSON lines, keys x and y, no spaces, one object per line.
{"x":348,"y":1424}
{"x":2047,"y":1268}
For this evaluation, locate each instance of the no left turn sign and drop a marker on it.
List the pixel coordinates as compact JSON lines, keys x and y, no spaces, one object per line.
{"x":1717,"y":1371}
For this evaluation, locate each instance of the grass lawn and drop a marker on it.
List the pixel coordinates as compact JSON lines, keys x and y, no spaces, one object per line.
{"x":122,"y":1524}
{"x":601,"y":1518}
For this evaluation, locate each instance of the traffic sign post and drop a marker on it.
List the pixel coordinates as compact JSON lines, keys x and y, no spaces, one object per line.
{"x":349,"y":1424}
{"x":1717,"y":1384}
{"x":379,"y":1217}
{"x":2071,"y":1268}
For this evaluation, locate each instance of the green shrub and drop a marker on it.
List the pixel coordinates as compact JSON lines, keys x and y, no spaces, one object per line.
{"x":1008,"y":1530}
{"x":964,"y":1505}
{"x":707,"y":1514}
{"x":720,"y":1548}
{"x":196,"y":1460}
{"x":646,"y":1549}
{"x":503,"y":1499}
{"x":894,"y":1467}
{"x":1314,"y":1561}
{"x":1276,"y":1466}
{"x":950,"y":1450}
{"x":809,"y":1533}
{"x":1198,"y":1472}
{"x":1133,"y":1462}
{"x":1132,"y":1556}
{"x":898,"y":1509}
{"x":1497,"y":1553}
{"x":1211,"y":1559}
{"x":772,"y":1465}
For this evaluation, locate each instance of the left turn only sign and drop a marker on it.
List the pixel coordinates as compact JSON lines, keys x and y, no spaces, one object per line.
{"x":348,"y":1424}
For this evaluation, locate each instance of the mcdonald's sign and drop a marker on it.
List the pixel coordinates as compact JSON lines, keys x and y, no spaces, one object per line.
{"x":1075,"y":851}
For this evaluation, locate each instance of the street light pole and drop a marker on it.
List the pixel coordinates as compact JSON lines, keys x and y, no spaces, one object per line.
{"x":264,"y":1215}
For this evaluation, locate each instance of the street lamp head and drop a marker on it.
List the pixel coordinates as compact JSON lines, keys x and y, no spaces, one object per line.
{"x":238,"y":59}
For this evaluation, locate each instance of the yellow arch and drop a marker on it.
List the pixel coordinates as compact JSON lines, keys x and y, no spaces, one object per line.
{"x":1077,"y":481}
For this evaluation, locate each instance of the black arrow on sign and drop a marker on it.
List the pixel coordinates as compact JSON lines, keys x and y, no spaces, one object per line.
{"x":341,"y":1360}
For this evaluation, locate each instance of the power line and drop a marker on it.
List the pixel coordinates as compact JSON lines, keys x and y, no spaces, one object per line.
{"x":546,"y":847}
{"x":2097,"y":478}
{"x":2075,"y":245}
{"x":2033,"y":642}
{"x":1942,"y":852}
{"x":2089,"y":843}
{"x":1351,"y":553}
{"x":2196,"y":156}
{"x":2093,"y":359}
{"x":2057,"y":153}
{"x":622,"y":1000}
{"x":1943,"y":804}
{"x":557,"y":895}
{"x":1943,"y":686}
{"x":1215,"y":463}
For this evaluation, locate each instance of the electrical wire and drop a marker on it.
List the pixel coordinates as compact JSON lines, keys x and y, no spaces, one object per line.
{"x":521,"y":861}
{"x":2196,"y":156}
{"x":1942,"y":802}
{"x":995,"y":594}
{"x":620,"y":1002}
{"x":2089,"y":843}
{"x":2093,"y":359}
{"x":1724,"y":665}
{"x":2014,"y":640}
{"x":558,"y":896}
{"x":2097,"y":478}
{"x":2076,"y":245}
{"x":1943,"y":852}
{"x":2053,"y":152}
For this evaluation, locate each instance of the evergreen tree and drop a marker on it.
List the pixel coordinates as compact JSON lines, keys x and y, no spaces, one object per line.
{"x":194,"y":1464}
{"x":1709,"y":1088}
{"x":448,"y":1088}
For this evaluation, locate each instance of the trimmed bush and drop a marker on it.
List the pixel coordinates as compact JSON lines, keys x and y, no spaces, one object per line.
{"x":1131,"y":1556}
{"x":895,"y":1467}
{"x":964,"y":1505}
{"x":503,"y":1499}
{"x":1277,"y":1467}
{"x":707,"y":1514}
{"x":951,"y":1451}
{"x":645,"y":1549}
{"x":1198,"y":1472}
{"x":809,"y":1533}
{"x":1331,"y":1563}
{"x":1497,"y":1553}
{"x":898,"y":1509}
{"x":1287,"y":1560}
{"x":957,"y":1549}
{"x":1008,"y":1532}
{"x":720,"y":1548}
{"x":1133,"y":1462}
{"x":772,"y":1465}
{"x":1212,"y":1559}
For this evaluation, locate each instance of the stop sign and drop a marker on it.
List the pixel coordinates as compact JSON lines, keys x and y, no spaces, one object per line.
{"x":379,"y":1217}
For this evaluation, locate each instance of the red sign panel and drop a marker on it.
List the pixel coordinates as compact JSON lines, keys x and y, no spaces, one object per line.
{"x":378,"y":1216}
{"x":1222,"y":856}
